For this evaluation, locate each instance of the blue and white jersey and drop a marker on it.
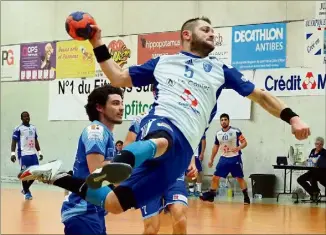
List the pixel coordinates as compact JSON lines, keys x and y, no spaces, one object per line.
{"x":25,"y":136}
{"x":227,"y":140}
{"x":135,"y":124}
{"x":95,"y":138}
{"x":187,"y":88}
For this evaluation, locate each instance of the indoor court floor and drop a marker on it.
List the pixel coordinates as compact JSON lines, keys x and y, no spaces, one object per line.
{"x":42,"y":215}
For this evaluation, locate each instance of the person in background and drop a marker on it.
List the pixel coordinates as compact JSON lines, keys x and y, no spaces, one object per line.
{"x":199,"y":157}
{"x":231,"y":141}
{"x":118,"y":146}
{"x":309,"y":180}
{"x":25,"y":136}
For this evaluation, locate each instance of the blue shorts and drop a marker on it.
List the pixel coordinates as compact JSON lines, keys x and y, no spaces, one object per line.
{"x":27,"y":161}
{"x":154,"y":176}
{"x":85,"y":224}
{"x":177,"y":193}
{"x":198,"y":164}
{"x":228,"y":165}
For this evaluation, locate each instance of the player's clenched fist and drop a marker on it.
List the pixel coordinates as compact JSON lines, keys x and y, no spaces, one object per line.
{"x":300,"y":129}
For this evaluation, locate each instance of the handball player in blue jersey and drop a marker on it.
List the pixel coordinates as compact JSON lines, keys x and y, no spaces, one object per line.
{"x":173,"y":200}
{"x":187,"y":86}
{"x":95,"y":148}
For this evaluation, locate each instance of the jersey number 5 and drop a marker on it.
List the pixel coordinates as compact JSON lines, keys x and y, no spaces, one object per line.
{"x":189,"y":73}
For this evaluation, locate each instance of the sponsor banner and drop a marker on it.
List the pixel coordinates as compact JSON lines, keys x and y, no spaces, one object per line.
{"x":68,"y":98}
{"x":75,"y":59}
{"x":223,"y":44}
{"x":10,"y":63}
{"x":260,"y":46}
{"x":315,"y":43}
{"x":292,"y":81}
{"x":156,"y":44}
{"x":320,"y":10}
{"x":122,"y":49}
{"x":38,"y":61}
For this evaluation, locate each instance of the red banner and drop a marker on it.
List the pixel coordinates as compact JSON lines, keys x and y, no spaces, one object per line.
{"x":157,"y":44}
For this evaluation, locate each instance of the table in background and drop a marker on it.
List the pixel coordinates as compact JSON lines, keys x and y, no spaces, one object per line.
{"x":291,"y":168}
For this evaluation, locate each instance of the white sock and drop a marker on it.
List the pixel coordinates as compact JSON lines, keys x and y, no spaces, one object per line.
{"x":191,"y":187}
{"x":198,"y":185}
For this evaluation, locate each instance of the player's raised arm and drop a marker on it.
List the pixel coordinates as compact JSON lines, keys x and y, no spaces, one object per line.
{"x":236,"y":80}
{"x":133,"y":76}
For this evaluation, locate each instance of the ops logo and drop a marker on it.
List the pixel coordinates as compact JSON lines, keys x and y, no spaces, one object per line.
{"x":7,"y":57}
{"x":30,"y":50}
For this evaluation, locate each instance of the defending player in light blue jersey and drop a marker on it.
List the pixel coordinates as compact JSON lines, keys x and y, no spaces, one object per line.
{"x":187,"y":86}
{"x":173,"y":200}
{"x":95,"y":147}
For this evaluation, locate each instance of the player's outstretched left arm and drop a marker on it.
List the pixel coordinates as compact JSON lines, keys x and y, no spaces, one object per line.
{"x":279,"y":109}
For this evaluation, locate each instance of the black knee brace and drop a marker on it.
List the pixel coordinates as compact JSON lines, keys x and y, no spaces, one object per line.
{"x":125,"y":157}
{"x":126,"y":197}
{"x":161,"y":134}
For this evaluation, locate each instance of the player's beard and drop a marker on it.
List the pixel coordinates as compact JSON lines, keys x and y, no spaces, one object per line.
{"x":200,"y":46}
{"x":113,"y":120}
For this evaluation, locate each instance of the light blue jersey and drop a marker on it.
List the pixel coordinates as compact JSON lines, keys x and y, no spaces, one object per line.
{"x":95,"y":138}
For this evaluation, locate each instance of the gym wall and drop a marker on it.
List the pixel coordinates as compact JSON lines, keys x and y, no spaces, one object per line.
{"x":268,"y":137}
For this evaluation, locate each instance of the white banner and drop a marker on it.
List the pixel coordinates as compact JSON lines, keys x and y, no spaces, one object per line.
{"x":320,"y":10}
{"x":292,"y":81}
{"x":69,"y":96}
{"x":10,"y":63}
{"x":315,"y":43}
{"x":223,"y":44}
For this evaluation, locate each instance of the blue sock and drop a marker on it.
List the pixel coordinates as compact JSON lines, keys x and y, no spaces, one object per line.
{"x":142,"y":150}
{"x":98,"y":196}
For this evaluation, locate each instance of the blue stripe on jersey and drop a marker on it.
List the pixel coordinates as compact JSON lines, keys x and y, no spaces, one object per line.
{"x":95,"y":140}
{"x":213,"y":113}
{"x":143,"y":75}
{"x":236,"y":81}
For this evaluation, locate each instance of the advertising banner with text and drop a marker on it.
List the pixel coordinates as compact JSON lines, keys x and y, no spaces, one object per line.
{"x":38,"y":61}
{"x":292,"y":81}
{"x":261,"y":46}
{"x":154,"y":45}
{"x":223,"y":44}
{"x":10,"y":63}
{"x":315,"y":43}
{"x":72,"y":92}
{"x":75,"y":59}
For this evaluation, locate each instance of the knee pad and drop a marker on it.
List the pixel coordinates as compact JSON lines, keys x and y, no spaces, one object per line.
{"x":125,"y":157}
{"x":161,"y":134}
{"x":126,"y":197}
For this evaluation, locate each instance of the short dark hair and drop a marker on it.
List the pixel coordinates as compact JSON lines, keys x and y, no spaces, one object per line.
{"x":119,"y":142}
{"x":21,"y":115}
{"x":100,"y":96}
{"x":224,"y":115}
{"x":191,"y":23}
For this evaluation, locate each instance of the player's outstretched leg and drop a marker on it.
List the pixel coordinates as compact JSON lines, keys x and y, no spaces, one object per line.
{"x":133,"y":155}
{"x":49,"y":171}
